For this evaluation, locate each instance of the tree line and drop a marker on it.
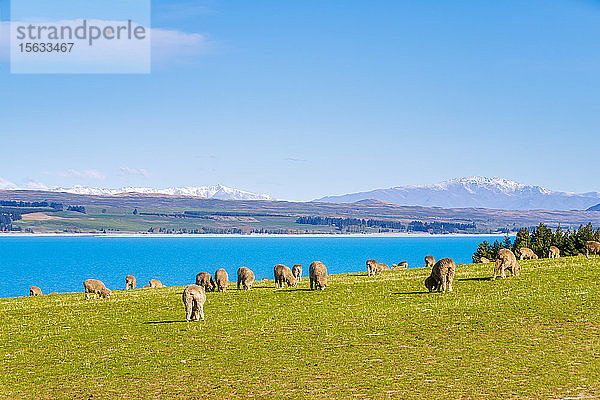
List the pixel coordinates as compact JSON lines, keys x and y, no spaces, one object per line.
{"x":413,"y":226}
{"x":30,"y":204}
{"x":539,"y":239}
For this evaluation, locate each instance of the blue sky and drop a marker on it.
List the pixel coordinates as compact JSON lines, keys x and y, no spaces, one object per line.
{"x":301,"y":99}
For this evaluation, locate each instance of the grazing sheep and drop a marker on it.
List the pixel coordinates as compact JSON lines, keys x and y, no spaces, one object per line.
{"x":506,"y":261}
{"x":245,"y":278}
{"x":442,"y":275}
{"x":429,"y":261}
{"x":54,"y":293}
{"x":297,"y":271}
{"x":375,"y":268}
{"x":592,"y":247}
{"x":146,"y":287}
{"x":129,"y":282}
{"x":317,"y":273}
{"x":222,"y":279}
{"x":527,"y":254}
{"x":156,"y":283}
{"x":206,"y":281}
{"x":35,"y":291}
{"x":483,"y":260}
{"x":372,"y":267}
{"x":193,"y":300}
{"x":400,"y":265}
{"x":96,"y":287}
{"x":283,"y":275}
{"x":553,"y":252}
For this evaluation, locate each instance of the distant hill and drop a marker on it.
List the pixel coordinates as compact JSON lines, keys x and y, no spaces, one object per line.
{"x":475,"y":192}
{"x":115,"y":212}
{"x":208,"y":192}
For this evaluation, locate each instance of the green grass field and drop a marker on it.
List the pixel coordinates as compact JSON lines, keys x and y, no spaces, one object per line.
{"x":535,"y":336}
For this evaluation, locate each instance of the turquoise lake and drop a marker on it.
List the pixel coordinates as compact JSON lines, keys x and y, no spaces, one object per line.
{"x":61,"y":264}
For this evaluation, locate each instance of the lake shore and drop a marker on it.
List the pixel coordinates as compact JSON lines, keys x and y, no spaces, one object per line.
{"x":255,"y":235}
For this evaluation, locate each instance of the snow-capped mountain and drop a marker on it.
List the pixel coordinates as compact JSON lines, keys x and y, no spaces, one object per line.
{"x":210,"y":192}
{"x":478,"y":192}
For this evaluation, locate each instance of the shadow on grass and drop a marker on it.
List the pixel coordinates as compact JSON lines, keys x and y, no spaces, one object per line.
{"x":487,"y":278}
{"x":399,"y":293}
{"x":163,"y":322}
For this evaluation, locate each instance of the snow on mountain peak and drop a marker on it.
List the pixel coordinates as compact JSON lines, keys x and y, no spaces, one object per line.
{"x":211,"y":192}
{"x":475,"y":191}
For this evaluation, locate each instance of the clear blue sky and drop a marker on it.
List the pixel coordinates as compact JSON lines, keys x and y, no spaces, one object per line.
{"x":301,"y":99}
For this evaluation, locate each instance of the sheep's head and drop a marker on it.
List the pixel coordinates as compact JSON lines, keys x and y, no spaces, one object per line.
{"x":105,"y":292}
{"x":430,"y":283}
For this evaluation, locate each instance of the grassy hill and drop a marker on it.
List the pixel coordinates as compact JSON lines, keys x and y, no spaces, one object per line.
{"x":536,"y":336}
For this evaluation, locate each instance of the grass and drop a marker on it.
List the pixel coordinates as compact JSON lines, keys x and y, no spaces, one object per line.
{"x":536,"y":336}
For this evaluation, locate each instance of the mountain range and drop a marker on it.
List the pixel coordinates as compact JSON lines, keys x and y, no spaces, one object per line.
{"x":472,"y":192}
{"x":209,"y":192}
{"x":476,"y":192}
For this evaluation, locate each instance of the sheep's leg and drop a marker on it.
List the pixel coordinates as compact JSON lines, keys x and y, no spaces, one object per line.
{"x":202,"y":312}
{"x":188,"y":310}
{"x":311,"y":283}
{"x":496,"y":269}
{"x":87,"y":295}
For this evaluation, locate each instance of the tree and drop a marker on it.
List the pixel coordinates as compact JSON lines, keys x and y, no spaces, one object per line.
{"x":569,"y":247}
{"x":483,"y":250}
{"x":506,"y":243}
{"x":521,"y":240}
{"x":541,"y":240}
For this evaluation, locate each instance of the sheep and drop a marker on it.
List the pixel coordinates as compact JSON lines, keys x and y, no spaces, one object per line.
{"x":375,"y":268}
{"x":592,"y":247}
{"x":96,"y":287}
{"x":442,"y":275}
{"x":193,"y":300}
{"x":222,"y":279}
{"x":402,"y":265}
{"x":146,"y":287}
{"x":429,"y":261}
{"x":372,"y":267}
{"x":506,"y":261}
{"x":283,"y":275}
{"x":245,"y":278}
{"x":484,"y":260}
{"x":527,"y":254}
{"x":317,"y":273}
{"x":553,"y":252}
{"x":297,"y":271}
{"x":35,"y":291}
{"x":154,"y":283}
{"x":130,"y":282}
{"x":206,"y":281}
